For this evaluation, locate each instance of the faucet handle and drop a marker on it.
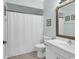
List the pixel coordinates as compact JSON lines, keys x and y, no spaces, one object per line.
{"x":69,"y":42}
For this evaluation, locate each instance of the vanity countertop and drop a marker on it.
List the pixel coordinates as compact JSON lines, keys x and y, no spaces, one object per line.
{"x":62,"y":45}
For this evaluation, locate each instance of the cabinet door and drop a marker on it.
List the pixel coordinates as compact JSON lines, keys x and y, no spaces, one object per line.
{"x":61,"y":57}
{"x":50,"y":54}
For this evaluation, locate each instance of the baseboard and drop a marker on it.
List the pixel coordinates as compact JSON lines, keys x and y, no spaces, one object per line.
{"x":20,"y":54}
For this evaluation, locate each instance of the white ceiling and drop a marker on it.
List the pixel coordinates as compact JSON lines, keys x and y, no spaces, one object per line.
{"x":41,"y":0}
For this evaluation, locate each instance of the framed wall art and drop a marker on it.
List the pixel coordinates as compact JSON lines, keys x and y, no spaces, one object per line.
{"x":67,"y":18}
{"x":48,"y":22}
{"x":73,"y":17}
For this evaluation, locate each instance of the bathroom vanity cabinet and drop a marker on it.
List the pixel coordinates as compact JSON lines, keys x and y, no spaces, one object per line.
{"x":55,"y":52}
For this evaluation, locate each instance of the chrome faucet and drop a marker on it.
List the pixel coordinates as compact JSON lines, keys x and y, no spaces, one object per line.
{"x":69,"y":42}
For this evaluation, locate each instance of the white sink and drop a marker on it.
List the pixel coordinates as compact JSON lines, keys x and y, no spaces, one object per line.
{"x":67,"y":45}
{"x":63,"y":45}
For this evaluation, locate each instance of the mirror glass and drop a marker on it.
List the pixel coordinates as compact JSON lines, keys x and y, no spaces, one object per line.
{"x":66,"y":20}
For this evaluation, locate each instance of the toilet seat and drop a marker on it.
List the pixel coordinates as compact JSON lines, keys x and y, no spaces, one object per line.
{"x":40,"y":46}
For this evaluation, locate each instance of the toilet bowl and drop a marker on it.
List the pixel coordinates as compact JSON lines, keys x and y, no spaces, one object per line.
{"x":40,"y":48}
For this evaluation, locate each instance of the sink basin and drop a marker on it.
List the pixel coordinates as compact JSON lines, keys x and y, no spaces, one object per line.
{"x":67,"y":45}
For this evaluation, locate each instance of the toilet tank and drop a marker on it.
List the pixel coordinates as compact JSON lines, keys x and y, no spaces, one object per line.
{"x":47,"y":38}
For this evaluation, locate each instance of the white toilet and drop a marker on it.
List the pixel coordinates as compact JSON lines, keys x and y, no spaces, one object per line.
{"x":40,"y":48}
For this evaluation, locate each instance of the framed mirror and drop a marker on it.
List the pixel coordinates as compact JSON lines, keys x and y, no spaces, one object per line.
{"x":65,"y":20}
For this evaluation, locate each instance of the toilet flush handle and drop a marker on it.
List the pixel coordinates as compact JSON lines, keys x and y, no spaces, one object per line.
{"x":45,"y":44}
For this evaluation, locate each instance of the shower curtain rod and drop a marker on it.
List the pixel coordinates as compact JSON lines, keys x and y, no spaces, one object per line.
{"x":24,"y":12}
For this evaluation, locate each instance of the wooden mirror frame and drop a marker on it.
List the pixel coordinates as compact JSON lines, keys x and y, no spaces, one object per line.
{"x":57,"y":22}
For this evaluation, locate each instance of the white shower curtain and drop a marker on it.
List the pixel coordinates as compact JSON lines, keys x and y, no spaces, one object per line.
{"x":24,"y":31}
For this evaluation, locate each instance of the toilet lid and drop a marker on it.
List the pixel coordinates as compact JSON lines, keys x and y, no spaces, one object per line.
{"x":40,"y":45}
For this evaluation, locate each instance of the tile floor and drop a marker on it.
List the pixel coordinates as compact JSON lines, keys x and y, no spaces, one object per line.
{"x":31,"y":55}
